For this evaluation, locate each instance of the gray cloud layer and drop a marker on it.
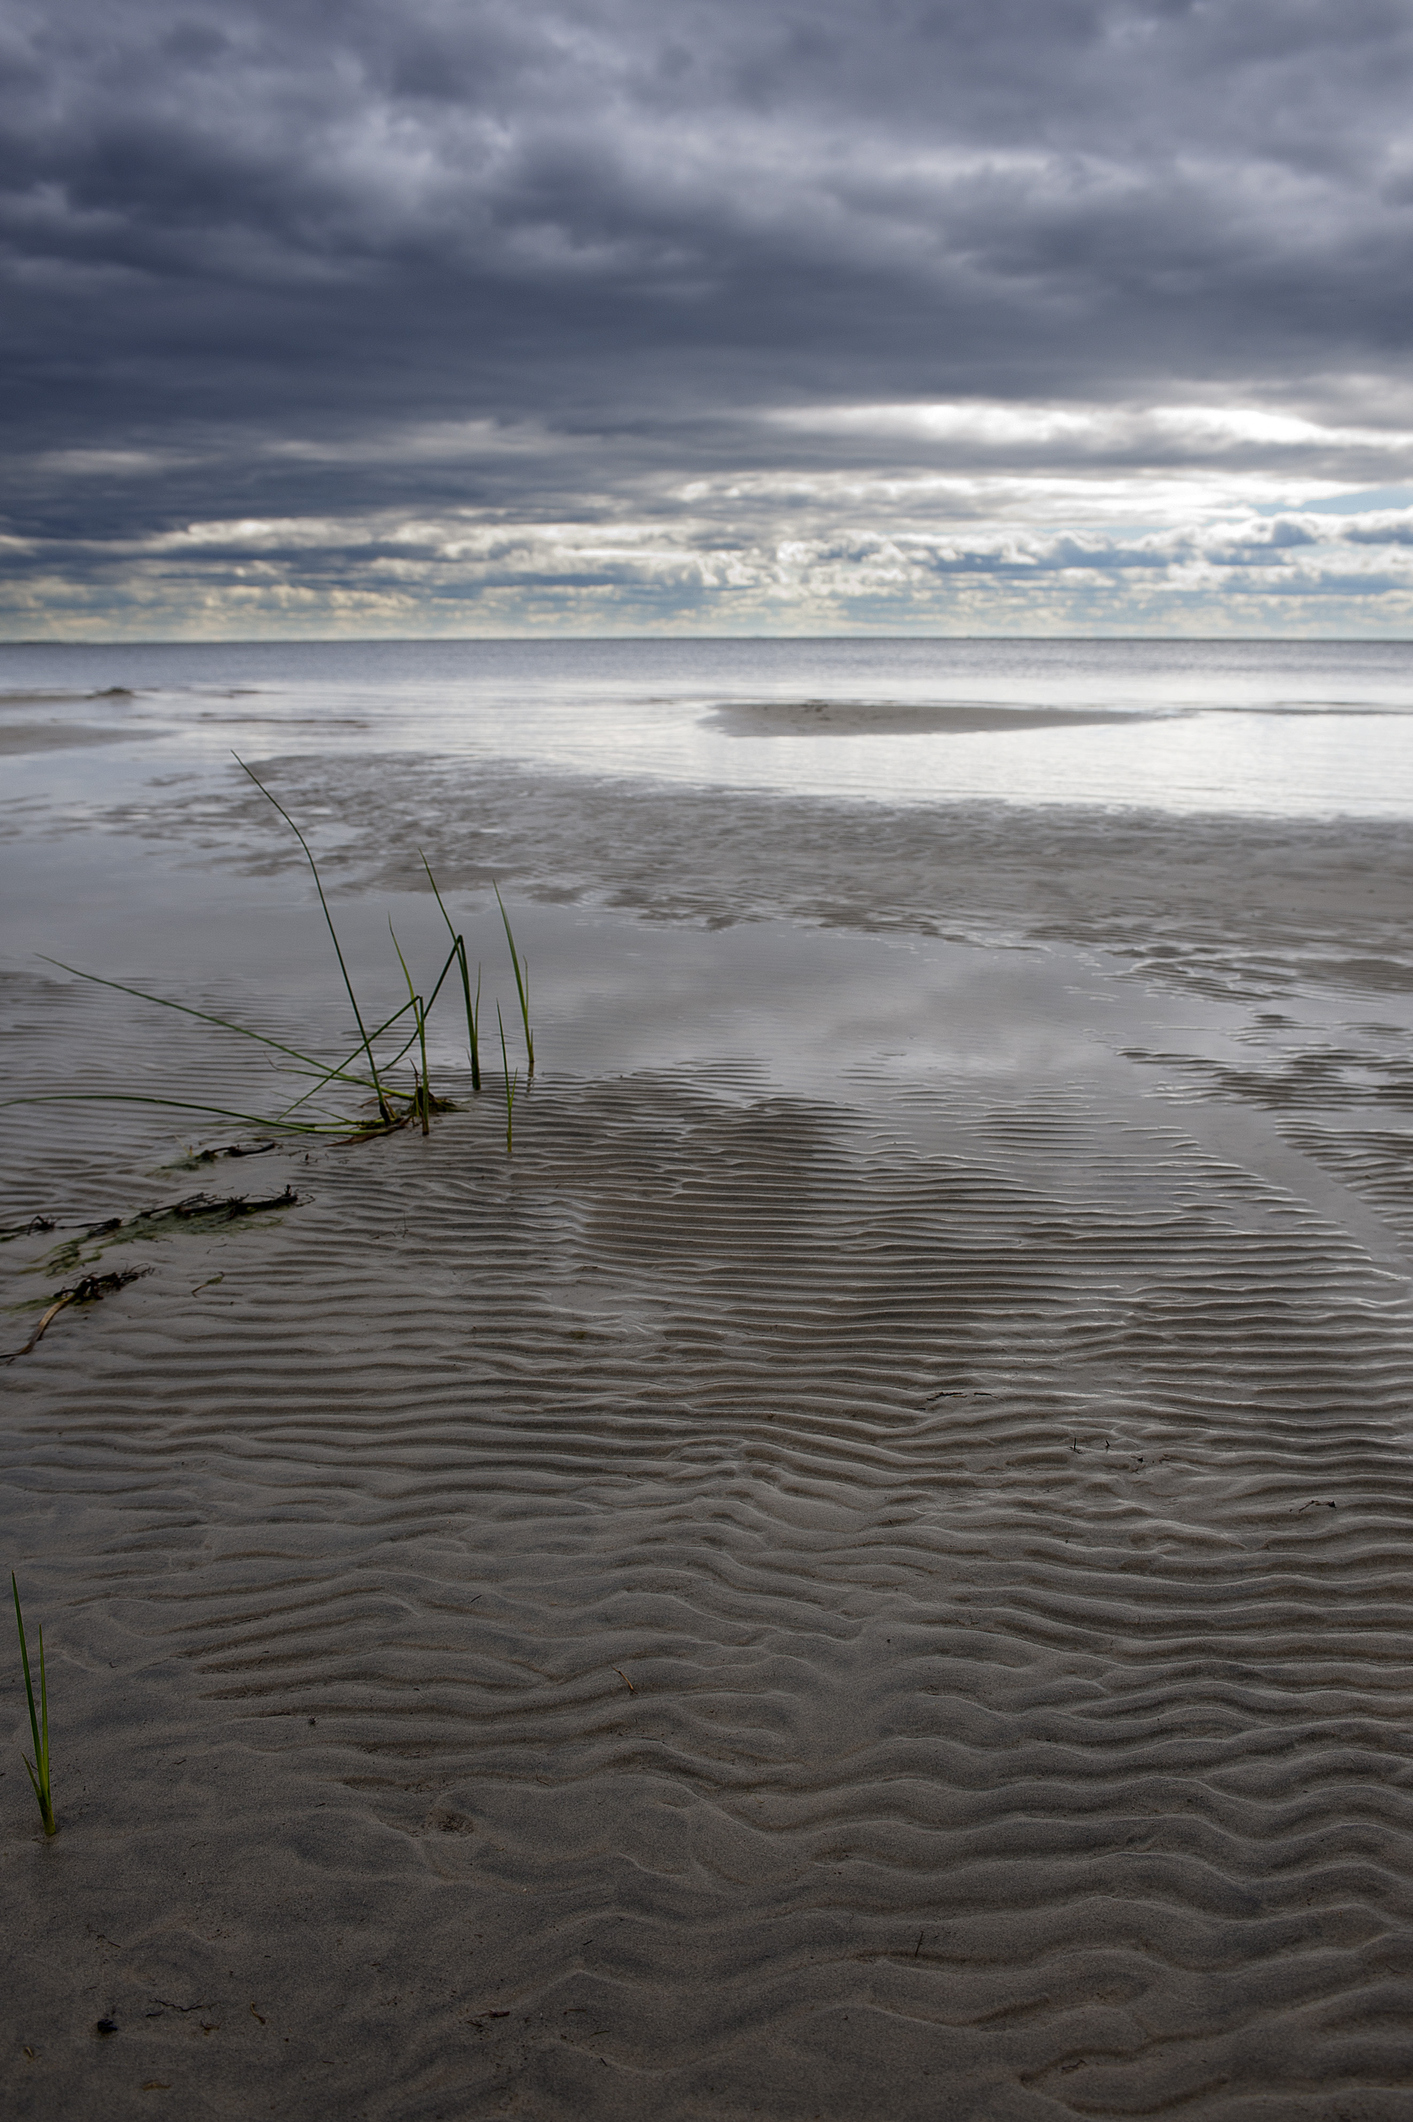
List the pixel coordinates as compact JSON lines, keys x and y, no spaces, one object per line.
{"x":710,"y":279}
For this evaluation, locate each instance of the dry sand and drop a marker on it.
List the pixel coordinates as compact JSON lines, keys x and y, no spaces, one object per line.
{"x":865,"y":1573}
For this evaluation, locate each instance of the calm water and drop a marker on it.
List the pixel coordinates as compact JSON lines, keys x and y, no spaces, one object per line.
{"x":1288,"y":728}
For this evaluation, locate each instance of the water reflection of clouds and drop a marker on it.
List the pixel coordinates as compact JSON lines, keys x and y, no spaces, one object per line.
{"x":1294,"y":729}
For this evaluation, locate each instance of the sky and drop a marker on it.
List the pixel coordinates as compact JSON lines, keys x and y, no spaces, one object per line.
{"x":479,"y":317}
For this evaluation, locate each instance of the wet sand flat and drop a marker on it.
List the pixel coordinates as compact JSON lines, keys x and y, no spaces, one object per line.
{"x":26,"y":737}
{"x":853,"y":718}
{"x":863,"y":1573}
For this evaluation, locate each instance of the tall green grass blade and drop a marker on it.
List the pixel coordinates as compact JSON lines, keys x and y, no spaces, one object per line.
{"x":441,"y":976}
{"x":522,"y":987}
{"x":226,"y":1024}
{"x":472,"y":1008}
{"x":181,"y":1105}
{"x":422,"y":1099}
{"x":320,"y":1070}
{"x":38,"y":1769}
{"x":510,"y":1089}
{"x":333,"y":932}
{"x":473,"y":1011}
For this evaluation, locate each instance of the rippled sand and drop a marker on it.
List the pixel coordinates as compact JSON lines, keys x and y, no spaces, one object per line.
{"x":864,"y":1573}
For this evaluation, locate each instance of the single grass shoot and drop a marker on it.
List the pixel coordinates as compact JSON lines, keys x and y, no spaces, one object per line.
{"x":38,"y":1768}
{"x":512,"y":1084}
{"x":473,"y":1009}
{"x":522,"y":985}
{"x":422,"y":1092}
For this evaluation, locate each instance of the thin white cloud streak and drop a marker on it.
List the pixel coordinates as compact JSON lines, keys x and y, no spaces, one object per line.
{"x":1101,"y":430}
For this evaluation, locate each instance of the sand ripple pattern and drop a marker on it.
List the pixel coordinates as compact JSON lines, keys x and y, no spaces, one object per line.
{"x":914,"y":1600}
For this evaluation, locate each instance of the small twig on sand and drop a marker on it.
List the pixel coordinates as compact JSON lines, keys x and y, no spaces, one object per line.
{"x":86,"y":1291}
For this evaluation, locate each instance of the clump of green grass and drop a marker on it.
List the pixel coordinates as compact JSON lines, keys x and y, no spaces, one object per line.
{"x":395,"y":1110}
{"x":38,"y":1768}
{"x":362,"y":1070}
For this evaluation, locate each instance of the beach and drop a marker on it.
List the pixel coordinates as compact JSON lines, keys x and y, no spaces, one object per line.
{"x":862,"y":1572}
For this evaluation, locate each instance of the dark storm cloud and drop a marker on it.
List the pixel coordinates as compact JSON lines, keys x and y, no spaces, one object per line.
{"x":299,"y":260}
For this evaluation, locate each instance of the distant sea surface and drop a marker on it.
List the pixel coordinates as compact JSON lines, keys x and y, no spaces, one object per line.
{"x":1274,"y":728}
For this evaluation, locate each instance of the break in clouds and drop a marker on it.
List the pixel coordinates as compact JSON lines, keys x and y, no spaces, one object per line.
{"x":950,"y":315}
